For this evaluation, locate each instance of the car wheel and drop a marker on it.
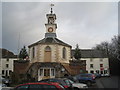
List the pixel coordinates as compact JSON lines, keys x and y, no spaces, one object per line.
{"x":88,"y":83}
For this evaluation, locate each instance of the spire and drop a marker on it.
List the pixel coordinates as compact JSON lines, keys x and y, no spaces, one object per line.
{"x":51,"y":8}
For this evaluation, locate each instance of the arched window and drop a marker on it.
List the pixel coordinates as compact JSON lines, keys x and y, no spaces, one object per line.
{"x":33,"y":52}
{"x":64,"y":53}
{"x":47,"y":48}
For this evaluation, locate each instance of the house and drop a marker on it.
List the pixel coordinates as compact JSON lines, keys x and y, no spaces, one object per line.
{"x":96,"y":61}
{"x":7,"y":62}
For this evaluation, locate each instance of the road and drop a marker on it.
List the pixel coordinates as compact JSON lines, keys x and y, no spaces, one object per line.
{"x":107,"y":83}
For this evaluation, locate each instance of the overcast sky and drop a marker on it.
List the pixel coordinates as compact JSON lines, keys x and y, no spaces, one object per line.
{"x":83,"y":23}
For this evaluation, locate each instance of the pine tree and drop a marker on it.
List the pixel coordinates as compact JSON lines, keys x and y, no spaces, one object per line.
{"x":23,"y":53}
{"x":77,"y":54}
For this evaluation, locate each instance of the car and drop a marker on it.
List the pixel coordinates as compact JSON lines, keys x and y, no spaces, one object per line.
{"x":6,"y":81}
{"x":39,"y":86}
{"x":2,"y":85}
{"x":97,"y":75}
{"x":87,"y":78}
{"x":75,"y":85}
{"x":58,"y":80}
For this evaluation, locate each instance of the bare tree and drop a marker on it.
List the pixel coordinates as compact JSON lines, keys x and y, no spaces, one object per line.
{"x":112,"y":49}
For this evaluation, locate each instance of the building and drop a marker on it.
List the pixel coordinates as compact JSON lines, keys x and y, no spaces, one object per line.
{"x":50,"y":56}
{"x":96,"y":61}
{"x":7,"y":62}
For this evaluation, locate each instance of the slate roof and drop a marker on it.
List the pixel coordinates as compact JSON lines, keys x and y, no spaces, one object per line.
{"x":90,"y":53}
{"x":50,"y":40}
{"x":4,"y":53}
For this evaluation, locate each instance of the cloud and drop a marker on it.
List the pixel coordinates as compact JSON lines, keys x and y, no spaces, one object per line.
{"x":85,"y":23}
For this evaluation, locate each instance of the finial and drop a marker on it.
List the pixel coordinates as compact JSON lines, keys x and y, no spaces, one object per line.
{"x":51,"y":8}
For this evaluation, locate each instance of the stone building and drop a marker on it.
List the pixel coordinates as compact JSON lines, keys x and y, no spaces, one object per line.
{"x":50,"y":56}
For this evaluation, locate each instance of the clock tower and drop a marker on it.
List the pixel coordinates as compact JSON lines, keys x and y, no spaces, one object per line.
{"x":51,"y":26}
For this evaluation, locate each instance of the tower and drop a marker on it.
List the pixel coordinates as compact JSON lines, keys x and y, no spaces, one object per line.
{"x":51,"y":26}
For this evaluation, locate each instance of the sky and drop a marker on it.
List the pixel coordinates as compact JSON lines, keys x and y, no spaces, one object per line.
{"x":82,"y":23}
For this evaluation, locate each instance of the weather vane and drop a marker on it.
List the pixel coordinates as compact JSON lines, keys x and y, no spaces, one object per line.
{"x":51,"y":8}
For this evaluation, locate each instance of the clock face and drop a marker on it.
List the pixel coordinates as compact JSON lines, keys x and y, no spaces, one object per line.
{"x":50,"y":29}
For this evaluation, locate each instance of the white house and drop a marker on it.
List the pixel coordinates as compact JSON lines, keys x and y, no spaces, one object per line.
{"x":96,"y":61}
{"x":7,"y":62}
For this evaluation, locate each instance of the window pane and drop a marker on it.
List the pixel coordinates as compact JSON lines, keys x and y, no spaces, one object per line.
{"x":91,"y":65}
{"x":101,"y":65}
{"x":46,"y":72}
{"x":3,"y":72}
{"x":47,"y":48}
{"x":52,"y":72}
{"x":41,"y":72}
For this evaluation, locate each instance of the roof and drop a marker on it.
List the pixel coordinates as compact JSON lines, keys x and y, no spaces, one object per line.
{"x":50,"y":40}
{"x":4,"y":53}
{"x":90,"y":53}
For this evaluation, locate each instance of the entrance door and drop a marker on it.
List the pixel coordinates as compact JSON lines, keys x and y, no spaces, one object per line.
{"x":47,"y":56}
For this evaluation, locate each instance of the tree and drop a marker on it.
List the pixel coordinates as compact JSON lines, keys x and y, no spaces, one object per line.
{"x":23,"y":53}
{"x":104,"y":47}
{"x":77,"y":54}
{"x":112,"y":49}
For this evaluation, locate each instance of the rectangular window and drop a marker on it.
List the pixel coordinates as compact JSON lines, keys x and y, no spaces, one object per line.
{"x":91,"y":65}
{"x":91,"y":71}
{"x":7,"y":65}
{"x":3,"y":72}
{"x":105,"y":71}
{"x":41,"y":72}
{"x":52,"y":72}
{"x":10,"y":71}
{"x":101,"y":65}
{"x":6,"y":74}
{"x":91,"y":60}
{"x":101,"y":72}
{"x":97,"y":71}
{"x":46,"y":72}
{"x":101,"y":60}
{"x":7,"y":60}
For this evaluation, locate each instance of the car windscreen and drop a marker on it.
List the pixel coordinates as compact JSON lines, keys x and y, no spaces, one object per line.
{"x":58,"y":81}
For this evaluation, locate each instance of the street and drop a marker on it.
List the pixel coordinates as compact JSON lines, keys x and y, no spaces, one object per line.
{"x":112,"y":82}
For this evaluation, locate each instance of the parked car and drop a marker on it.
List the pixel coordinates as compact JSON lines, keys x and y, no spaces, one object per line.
{"x":97,"y":75}
{"x":2,"y":85}
{"x":39,"y":86}
{"x":58,"y":80}
{"x":67,"y":83}
{"x":75,"y":85}
{"x":6,"y":81}
{"x":86,"y":78}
